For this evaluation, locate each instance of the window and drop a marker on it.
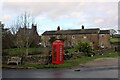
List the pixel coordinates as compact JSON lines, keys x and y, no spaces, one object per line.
{"x":102,"y":35}
{"x":49,"y":37}
{"x":73,"y":36}
{"x":58,"y":36}
{"x":84,"y":37}
{"x":102,"y":45}
{"x":73,"y":43}
{"x":69,"y":43}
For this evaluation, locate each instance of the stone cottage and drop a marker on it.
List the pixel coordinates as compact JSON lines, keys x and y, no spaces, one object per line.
{"x":99,"y":39}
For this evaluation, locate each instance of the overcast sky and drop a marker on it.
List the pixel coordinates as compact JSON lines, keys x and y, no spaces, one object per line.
{"x":48,"y":15}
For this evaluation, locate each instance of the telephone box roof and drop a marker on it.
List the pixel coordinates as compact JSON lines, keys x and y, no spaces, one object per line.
{"x":57,"y":41}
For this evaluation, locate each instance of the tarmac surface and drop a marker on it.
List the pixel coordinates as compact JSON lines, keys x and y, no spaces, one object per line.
{"x":102,"y":62}
{"x":99,"y":68}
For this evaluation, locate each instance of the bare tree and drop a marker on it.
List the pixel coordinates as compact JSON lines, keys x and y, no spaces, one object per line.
{"x":6,"y":35}
{"x":23,"y":35}
{"x":15,"y":26}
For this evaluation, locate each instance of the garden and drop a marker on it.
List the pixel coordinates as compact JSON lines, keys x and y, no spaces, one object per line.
{"x":41,"y":57}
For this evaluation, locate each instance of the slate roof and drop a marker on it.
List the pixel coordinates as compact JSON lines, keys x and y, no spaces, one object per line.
{"x":27,"y":31}
{"x":104,"y":32}
{"x":24,"y":31}
{"x":73,"y":31}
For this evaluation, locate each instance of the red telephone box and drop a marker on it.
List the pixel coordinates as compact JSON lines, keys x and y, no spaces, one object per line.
{"x":57,"y":52}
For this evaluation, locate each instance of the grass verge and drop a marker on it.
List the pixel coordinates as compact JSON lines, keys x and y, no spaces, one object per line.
{"x":114,"y":39}
{"x":72,"y":62}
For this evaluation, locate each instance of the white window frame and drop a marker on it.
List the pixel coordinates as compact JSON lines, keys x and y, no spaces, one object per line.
{"x":102,"y":45}
{"x":84,"y":37}
{"x":73,"y":36}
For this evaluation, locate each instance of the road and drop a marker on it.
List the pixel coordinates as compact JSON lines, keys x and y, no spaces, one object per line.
{"x":110,"y":72}
{"x":100,"y":68}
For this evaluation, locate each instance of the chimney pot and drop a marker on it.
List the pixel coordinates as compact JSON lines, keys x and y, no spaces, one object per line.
{"x":58,"y":28}
{"x":82,"y":26}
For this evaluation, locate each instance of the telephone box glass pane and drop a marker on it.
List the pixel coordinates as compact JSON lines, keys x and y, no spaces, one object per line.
{"x":60,"y":53}
{"x":54,"y":55}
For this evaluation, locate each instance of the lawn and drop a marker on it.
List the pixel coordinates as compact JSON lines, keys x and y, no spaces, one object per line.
{"x":115,"y":40}
{"x":21,"y":51}
{"x":83,"y":59}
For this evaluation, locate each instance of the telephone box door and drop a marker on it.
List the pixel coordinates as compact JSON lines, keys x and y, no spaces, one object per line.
{"x":54,"y":54}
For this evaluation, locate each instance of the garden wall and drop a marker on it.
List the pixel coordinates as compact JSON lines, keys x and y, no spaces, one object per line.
{"x":43,"y":59}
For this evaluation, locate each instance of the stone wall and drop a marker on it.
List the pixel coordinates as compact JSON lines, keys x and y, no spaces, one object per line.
{"x":104,"y":40}
{"x":43,"y":59}
{"x":103,"y":51}
{"x":36,"y":59}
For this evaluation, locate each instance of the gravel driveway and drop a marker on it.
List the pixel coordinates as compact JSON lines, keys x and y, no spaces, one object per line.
{"x":101,"y":62}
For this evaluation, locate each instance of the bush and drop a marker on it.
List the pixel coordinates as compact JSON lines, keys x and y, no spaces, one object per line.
{"x":84,"y":47}
{"x":66,"y":51}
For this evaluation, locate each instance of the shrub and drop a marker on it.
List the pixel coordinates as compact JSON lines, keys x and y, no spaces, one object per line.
{"x":84,"y":47}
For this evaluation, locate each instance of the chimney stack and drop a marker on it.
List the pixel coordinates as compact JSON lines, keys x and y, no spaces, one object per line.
{"x":58,"y":28}
{"x":82,"y":26}
{"x":34,"y":27}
